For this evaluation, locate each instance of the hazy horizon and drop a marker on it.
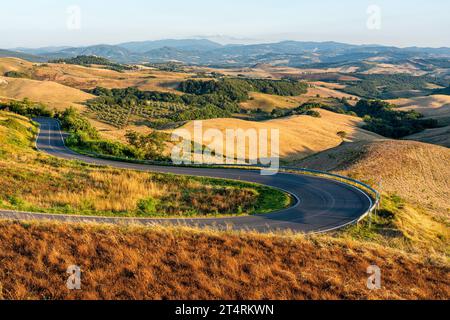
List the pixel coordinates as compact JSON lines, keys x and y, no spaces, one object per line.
{"x":219,"y":42}
{"x":44,"y":23}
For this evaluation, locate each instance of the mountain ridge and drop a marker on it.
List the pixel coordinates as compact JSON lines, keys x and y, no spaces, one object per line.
{"x":206,"y":52}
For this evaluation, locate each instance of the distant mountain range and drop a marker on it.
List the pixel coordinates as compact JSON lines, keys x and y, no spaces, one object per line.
{"x":206,"y":52}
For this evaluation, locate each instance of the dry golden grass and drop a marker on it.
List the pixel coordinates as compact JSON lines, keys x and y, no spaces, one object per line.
{"x":300,"y":136}
{"x":81,"y":77}
{"x":268,"y":102}
{"x":415,"y":171}
{"x":54,"y":95}
{"x":434,"y":106}
{"x":438,"y":136}
{"x":14,"y":64}
{"x":325,"y":92}
{"x":31,"y":181}
{"x":174,"y":263}
{"x":387,"y":68}
{"x":316,"y":93}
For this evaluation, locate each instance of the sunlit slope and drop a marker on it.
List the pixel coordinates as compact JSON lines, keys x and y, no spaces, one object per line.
{"x":51,"y":93}
{"x":417,"y":171}
{"x":82,"y":77}
{"x":434,"y":106}
{"x":300,"y":136}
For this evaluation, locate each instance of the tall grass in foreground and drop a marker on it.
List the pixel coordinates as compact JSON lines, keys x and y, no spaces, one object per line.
{"x":30,"y":181}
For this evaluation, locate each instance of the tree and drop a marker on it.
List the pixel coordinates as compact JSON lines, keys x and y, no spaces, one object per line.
{"x":152,"y":144}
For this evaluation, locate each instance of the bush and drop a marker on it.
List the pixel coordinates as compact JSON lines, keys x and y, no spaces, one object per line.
{"x":147,"y":206}
{"x":313,"y":113}
{"x":16,"y":74}
{"x":27,"y":108}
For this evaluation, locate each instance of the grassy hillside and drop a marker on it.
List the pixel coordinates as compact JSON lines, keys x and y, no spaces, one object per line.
{"x":51,"y":93}
{"x":30,"y":181}
{"x":414,"y":179}
{"x":439,"y":136}
{"x":82,"y":77}
{"x":178,"y":263}
{"x":160,"y":263}
{"x":300,"y":136}
{"x":434,"y":106}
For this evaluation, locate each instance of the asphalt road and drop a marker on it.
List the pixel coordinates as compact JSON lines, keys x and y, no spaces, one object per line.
{"x":320,"y":204}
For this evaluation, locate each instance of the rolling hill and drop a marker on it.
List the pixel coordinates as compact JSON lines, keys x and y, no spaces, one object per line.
{"x":413,"y":178}
{"x":82,"y":77}
{"x":416,"y":171}
{"x":205,"y":52}
{"x":433,"y":106}
{"x":300,"y":136}
{"x":51,"y":93}
{"x":438,"y":136}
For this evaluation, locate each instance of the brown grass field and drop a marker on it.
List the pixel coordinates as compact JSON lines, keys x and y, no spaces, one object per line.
{"x":53,"y":94}
{"x":438,"y":136}
{"x":175,"y":263}
{"x":416,"y":171}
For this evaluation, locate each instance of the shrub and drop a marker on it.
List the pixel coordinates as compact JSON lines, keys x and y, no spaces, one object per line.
{"x":147,"y":206}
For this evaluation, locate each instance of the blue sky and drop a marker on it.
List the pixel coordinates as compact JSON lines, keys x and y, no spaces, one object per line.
{"x":37,"y":23}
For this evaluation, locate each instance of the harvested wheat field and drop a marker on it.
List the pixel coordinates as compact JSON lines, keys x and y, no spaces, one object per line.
{"x":50,"y":93}
{"x":300,"y":136}
{"x":174,"y":263}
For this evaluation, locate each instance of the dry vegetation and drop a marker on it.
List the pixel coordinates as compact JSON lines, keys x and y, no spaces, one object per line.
{"x":411,"y":233}
{"x":316,"y":93}
{"x":31,"y":181}
{"x":300,"y":136}
{"x":438,"y":136}
{"x":55,"y":95}
{"x":434,"y":106}
{"x":175,"y":263}
{"x":414,"y":178}
{"x":80,"y":77}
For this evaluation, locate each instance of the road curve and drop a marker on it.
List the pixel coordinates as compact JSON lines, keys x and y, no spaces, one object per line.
{"x":321,"y":204}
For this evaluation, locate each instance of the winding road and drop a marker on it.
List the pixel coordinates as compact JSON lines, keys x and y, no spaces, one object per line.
{"x":320,"y":204}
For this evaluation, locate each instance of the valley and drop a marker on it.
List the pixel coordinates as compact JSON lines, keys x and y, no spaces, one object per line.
{"x":376,"y":114}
